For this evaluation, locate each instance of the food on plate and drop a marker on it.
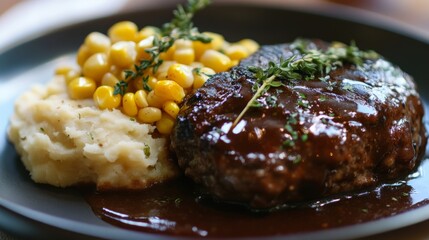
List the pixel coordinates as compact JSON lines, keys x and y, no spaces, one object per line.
{"x":265,"y":128}
{"x":107,"y":120}
{"x":65,"y":142}
{"x":300,"y":121}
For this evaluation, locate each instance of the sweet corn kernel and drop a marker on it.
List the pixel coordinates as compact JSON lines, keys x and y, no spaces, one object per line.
{"x":165,"y":124}
{"x":199,"y":81}
{"x":181,"y":74}
{"x":146,"y":32}
{"x":171,"y":108}
{"x":63,"y":70}
{"x":123,"y":31}
{"x":201,"y":75}
{"x":196,"y":65}
{"x":236,"y":52}
{"x":116,"y":71}
{"x":109,"y":80}
{"x":82,"y":55}
{"x":215,"y":60}
{"x":217,"y":40}
{"x":216,"y":43}
{"x":129,"y":106}
{"x":149,"y":115}
{"x":166,"y":56}
{"x":154,"y":100}
{"x":104,"y":98}
{"x":123,"y":53}
{"x":250,"y":45}
{"x":140,"y":97}
{"x":142,"y":46}
{"x":162,"y":76}
{"x":152,"y":81}
{"x":184,"y":56}
{"x":163,"y":68}
{"x":169,"y":90}
{"x":224,"y":46}
{"x":72,"y":74}
{"x":183,"y":44}
{"x":97,"y":42}
{"x":96,"y":66}
{"x":81,"y":88}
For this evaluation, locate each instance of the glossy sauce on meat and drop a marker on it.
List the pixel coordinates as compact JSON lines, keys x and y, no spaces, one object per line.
{"x":176,"y":209}
{"x":358,"y":127}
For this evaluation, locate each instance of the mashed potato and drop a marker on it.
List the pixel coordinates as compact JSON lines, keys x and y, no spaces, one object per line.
{"x":66,"y":142}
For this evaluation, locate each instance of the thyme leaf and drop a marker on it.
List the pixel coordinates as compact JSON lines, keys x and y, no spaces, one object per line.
{"x":120,"y":88}
{"x":180,"y":27}
{"x":146,"y":150}
{"x":146,"y":86}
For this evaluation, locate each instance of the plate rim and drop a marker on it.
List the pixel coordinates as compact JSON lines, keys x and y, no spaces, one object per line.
{"x":352,"y":15}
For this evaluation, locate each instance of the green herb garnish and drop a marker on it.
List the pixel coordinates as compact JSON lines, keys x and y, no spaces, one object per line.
{"x":146,"y":150}
{"x":323,"y":98}
{"x":180,"y":27}
{"x":297,"y":159}
{"x":271,"y":101}
{"x":120,"y":88}
{"x":313,"y":62}
{"x":197,"y":71}
{"x":294,"y":135}
{"x":348,"y":87}
{"x":302,"y":100}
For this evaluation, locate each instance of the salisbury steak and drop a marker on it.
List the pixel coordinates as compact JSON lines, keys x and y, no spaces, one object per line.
{"x":355,"y":127}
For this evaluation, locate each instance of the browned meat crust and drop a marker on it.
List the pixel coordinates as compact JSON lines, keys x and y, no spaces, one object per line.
{"x":310,"y":139}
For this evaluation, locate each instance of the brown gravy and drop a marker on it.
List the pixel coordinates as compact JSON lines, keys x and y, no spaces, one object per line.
{"x":175,"y":208}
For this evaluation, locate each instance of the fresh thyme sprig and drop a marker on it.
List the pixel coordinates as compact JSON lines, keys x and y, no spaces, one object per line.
{"x":313,"y":62}
{"x":263,"y":87}
{"x":180,"y":27}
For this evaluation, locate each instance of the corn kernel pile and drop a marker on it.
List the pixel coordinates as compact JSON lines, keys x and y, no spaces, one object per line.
{"x":103,"y":59}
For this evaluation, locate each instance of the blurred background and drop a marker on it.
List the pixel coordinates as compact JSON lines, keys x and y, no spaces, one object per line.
{"x":20,"y":19}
